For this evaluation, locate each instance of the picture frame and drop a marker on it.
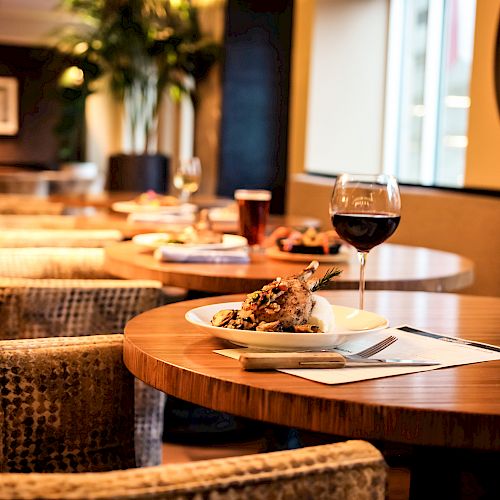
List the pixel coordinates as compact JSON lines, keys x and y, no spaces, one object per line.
{"x":9,"y":106}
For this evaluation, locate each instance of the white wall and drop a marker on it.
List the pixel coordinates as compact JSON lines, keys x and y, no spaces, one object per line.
{"x":346,"y":86}
{"x":483,"y":152}
{"x":30,"y":22}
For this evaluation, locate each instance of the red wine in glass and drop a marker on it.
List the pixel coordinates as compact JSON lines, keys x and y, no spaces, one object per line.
{"x":365,"y":211}
{"x":365,"y":230}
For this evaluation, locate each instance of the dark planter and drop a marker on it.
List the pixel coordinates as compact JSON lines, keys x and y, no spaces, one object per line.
{"x":138,"y":173}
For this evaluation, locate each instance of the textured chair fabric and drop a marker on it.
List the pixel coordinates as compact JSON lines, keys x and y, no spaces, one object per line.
{"x":13,"y":238}
{"x":36,"y":308}
{"x":33,"y":308}
{"x":352,"y":470}
{"x":58,"y":262}
{"x":38,"y":221}
{"x":14,"y":204}
{"x":67,"y":404}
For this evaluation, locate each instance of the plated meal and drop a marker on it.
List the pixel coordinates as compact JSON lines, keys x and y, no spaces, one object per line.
{"x":285,"y":304}
{"x":153,"y":198}
{"x":286,"y":314}
{"x":311,"y":241}
{"x":150,"y":201}
{"x":303,"y":246}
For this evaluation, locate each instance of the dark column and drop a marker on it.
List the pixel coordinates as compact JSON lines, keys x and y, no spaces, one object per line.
{"x":256,"y":69}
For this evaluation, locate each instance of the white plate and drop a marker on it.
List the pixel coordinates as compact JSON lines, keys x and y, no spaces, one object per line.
{"x":349,"y":322}
{"x":156,"y":240}
{"x":132,"y":207}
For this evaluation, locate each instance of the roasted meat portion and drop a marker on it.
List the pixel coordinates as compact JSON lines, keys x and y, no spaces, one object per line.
{"x":285,"y":304}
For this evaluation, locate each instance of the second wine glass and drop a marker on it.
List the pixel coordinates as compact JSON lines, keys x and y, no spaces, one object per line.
{"x":187,"y":177}
{"x":365,"y":210}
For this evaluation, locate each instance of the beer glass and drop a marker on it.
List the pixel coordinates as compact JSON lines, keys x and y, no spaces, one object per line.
{"x":253,"y":208}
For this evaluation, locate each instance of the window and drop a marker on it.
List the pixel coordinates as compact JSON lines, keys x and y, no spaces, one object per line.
{"x":388,"y":89}
{"x":427,"y":93}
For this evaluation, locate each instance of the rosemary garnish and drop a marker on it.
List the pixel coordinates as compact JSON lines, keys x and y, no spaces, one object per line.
{"x":328,"y":276}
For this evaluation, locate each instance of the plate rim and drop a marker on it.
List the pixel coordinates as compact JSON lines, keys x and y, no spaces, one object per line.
{"x":214,"y":329}
{"x":242,"y":239}
{"x":120,"y":206}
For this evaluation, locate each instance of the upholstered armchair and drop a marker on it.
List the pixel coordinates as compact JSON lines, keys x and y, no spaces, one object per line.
{"x":53,"y":262}
{"x":36,"y":308}
{"x":66,"y":404}
{"x":13,"y":238}
{"x":33,"y":308}
{"x":352,"y":470}
{"x":27,"y":204}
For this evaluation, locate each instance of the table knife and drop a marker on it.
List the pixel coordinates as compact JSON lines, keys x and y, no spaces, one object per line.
{"x":274,"y":360}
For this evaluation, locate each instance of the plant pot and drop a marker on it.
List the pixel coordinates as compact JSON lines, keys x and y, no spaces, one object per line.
{"x":138,"y":173}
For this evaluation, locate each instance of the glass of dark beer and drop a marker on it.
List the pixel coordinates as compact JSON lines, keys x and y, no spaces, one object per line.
{"x":253,"y":207}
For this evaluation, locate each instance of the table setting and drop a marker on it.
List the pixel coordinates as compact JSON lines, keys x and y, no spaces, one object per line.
{"x":403,"y":367}
{"x":412,"y":347}
{"x":166,"y":344}
{"x":306,"y":336}
{"x":289,"y":326}
{"x":196,"y":242}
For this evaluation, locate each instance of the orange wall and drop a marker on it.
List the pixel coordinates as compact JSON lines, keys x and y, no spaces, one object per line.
{"x":483,"y":152}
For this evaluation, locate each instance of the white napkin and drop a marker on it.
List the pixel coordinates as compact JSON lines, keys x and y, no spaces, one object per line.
{"x":411,"y":344}
{"x":224,"y":214}
{"x":176,"y":254}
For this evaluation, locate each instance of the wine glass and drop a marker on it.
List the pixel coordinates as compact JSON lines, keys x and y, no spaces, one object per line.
{"x":365,"y":210}
{"x":187,"y":177}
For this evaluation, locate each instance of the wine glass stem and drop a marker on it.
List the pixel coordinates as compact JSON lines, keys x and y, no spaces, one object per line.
{"x":362,"y":261}
{"x":184,"y":196}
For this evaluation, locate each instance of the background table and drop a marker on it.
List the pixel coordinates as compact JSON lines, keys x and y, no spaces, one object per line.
{"x":389,"y":267}
{"x":457,"y":407}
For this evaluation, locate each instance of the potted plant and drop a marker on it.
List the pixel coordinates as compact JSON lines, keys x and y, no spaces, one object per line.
{"x":147,"y":48}
{"x":73,"y":87}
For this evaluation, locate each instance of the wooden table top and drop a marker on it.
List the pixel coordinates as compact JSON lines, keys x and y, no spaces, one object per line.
{"x":104,"y":219}
{"x":453,"y":407}
{"x":389,"y":267}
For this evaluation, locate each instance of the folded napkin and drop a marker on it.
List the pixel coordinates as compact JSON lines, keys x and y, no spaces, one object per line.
{"x":176,"y":254}
{"x":224,"y":214}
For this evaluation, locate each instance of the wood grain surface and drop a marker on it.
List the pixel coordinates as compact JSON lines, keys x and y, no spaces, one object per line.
{"x":389,"y":267}
{"x":454,"y":407}
{"x":105,"y":219}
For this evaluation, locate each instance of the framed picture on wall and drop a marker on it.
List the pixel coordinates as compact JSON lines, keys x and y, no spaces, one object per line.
{"x":9,"y":105}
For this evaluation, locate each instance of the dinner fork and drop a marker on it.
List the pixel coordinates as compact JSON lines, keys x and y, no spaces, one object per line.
{"x":376,"y":348}
{"x":365,"y":353}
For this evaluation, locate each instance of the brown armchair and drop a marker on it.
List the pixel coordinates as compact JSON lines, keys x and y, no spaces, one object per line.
{"x":13,"y":238}
{"x":67,"y":405}
{"x":36,"y":308}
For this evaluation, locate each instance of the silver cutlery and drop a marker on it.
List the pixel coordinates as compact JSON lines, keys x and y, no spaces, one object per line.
{"x":376,"y":348}
{"x":275,"y":360}
{"x":365,"y":353}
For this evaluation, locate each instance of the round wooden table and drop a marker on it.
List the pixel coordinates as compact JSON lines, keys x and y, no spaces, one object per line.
{"x":120,"y":222}
{"x":457,"y":407}
{"x":389,"y":267}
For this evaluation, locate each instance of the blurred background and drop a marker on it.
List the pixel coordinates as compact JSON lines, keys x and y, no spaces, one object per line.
{"x":278,"y":94}
{"x":292,"y":93}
